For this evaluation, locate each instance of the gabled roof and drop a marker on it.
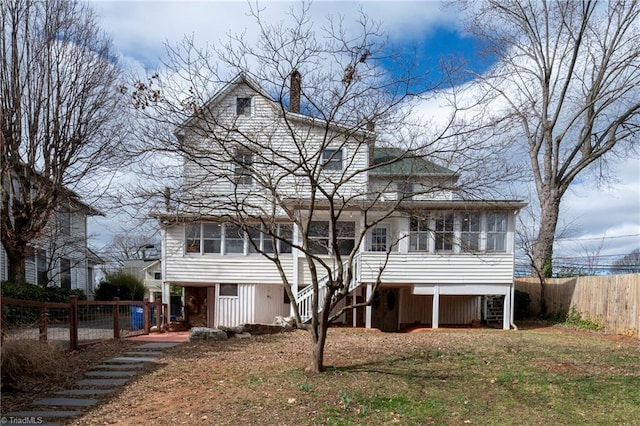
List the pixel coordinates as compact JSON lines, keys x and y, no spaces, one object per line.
{"x":402,"y":163}
{"x":243,"y":78}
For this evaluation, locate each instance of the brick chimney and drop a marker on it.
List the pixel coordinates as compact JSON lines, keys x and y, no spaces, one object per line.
{"x":294,"y":92}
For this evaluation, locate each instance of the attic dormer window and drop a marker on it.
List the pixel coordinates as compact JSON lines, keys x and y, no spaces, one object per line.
{"x":243,"y":106}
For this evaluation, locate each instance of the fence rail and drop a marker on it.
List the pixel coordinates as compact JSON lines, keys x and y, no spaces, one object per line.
{"x":80,"y":321}
{"x":612,"y":300}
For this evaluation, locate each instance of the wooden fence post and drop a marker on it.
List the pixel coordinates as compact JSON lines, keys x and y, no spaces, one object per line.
{"x":146,"y":322}
{"x":165,"y":310}
{"x":116,"y":318}
{"x":43,"y":323}
{"x":158,"y":312}
{"x":73,"y":323}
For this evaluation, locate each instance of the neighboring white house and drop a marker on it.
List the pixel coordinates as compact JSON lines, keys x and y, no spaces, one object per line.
{"x":61,"y":256}
{"x":449,"y":260}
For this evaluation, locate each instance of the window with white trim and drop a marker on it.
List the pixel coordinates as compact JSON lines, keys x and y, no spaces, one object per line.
{"x":211,"y":238}
{"x":233,"y":239}
{"x":418,"y":234}
{"x":243,"y":106}
{"x":470,"y":231}
{"x":379,"y":237}
{"x":193,"y":234}
{"x":332,"y":159}
{"x":497,"y":232}
{"x":346,"y":237}
{"x":242,"y":168}
{"x":443,"y":231}
{"x":286,"y":234}
{"x":319,"y":237}
{"x":228,"y":290}
{"x":65,"y":273}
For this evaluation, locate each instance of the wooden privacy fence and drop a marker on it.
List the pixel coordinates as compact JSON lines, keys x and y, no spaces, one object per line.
{"x":80,"y":321}
{"x":612,"y":300}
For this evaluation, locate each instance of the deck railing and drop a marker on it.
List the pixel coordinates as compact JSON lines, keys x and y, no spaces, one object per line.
{"x":305,"y":296}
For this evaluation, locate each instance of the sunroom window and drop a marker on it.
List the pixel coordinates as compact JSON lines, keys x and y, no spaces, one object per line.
{"x":443,"y":229}
{"x":418,"y":235}
{"x":496,"y":231}
{"x":470,"y":231}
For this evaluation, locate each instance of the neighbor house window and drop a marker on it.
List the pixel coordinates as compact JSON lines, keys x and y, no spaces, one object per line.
{"x":470,"y":232}
{"x":65,"y":273}
{"x":157,"y":275}
{"x":243,"y":106}
{"x":443,"y":230}
{"x":332,"y":159}
{"x":64,"y":221}
{"x":242,"y":168}
{"x":496,"y":231}
{"x":230,"y":290}
{"x":41,"y":266}
{"x":418,"y":235}
{"x":379,"y":240}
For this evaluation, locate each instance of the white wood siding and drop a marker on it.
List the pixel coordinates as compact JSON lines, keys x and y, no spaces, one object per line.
{"x":255,"y":303}
{"x":433,"y":268}
{"x":214,"y":268}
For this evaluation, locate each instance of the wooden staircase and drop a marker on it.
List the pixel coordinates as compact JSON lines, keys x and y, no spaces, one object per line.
{"x":304,"y":300}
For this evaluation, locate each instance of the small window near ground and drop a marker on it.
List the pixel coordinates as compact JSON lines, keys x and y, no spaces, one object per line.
{"x":230,"y":290}
{"x":243,"y":106}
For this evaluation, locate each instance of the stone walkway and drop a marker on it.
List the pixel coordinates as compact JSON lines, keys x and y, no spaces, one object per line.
{"x":100,"y":382}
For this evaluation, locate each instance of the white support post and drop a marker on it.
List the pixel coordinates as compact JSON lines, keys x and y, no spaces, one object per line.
{"x":367,"y":320}
{"x":435,"y":312}
{"x":294,"y":283}
{"x":506,"y":311}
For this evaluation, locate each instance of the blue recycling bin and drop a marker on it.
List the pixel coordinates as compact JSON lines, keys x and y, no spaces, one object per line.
{"x":137,"y":317}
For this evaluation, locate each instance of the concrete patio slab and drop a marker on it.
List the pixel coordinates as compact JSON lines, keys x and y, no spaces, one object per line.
{"x":119,"y":366}
{"x":129,"y":360}
{"x":142,"y":353}
{"x":158,"y":345}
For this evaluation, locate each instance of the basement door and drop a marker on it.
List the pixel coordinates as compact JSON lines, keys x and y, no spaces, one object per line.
{"x":385,"y":309}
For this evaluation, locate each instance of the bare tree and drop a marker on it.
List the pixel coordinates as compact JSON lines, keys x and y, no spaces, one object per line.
{"x":628,"y":264}
{"x":61,"y":115}
{"x":566,"y":83}
{"x":328,"y":94}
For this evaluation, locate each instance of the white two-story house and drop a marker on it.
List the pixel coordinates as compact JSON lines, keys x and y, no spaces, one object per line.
{"x":438,"y":260}
{"x":60,"y":255}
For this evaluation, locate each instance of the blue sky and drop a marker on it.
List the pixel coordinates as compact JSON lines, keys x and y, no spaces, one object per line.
{"x":139,"y":30}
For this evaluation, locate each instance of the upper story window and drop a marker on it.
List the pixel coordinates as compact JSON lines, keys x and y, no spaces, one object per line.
{"x":418,"y":235}
{"x":496,"y":232}
{"x":233,"y":239}
{"x":65,"y":273}
{"x":64,"y":220}
{"x":157,"y":275}
{"x":332,"y":159}
{"x":243,"y":106}
{"x":443,"y":229}
{"x":470,"y":231}
{"x":242,"y":168}
{"x":346,"y":237}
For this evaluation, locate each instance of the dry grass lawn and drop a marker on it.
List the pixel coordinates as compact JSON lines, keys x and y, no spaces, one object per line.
{"x":548,"y":375}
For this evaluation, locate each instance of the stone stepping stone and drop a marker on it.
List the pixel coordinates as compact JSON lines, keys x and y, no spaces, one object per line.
{"x":158,"y":345}
{"x":143,"y":353}
{"x":66,"y":402}
{"x":118,"y":367}
{"x":85,"y":392}
{"x":110,"y":374}
{"x":101,"y":383}
{"x":43,"y":414}
{"x":129,"y":360}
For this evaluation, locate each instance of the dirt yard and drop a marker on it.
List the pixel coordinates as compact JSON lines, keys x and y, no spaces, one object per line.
{"x":423,"y":377}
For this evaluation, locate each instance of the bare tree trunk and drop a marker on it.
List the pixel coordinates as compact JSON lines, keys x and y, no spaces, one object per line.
{"x":543,"y":246}
{"x":319,"y":335}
